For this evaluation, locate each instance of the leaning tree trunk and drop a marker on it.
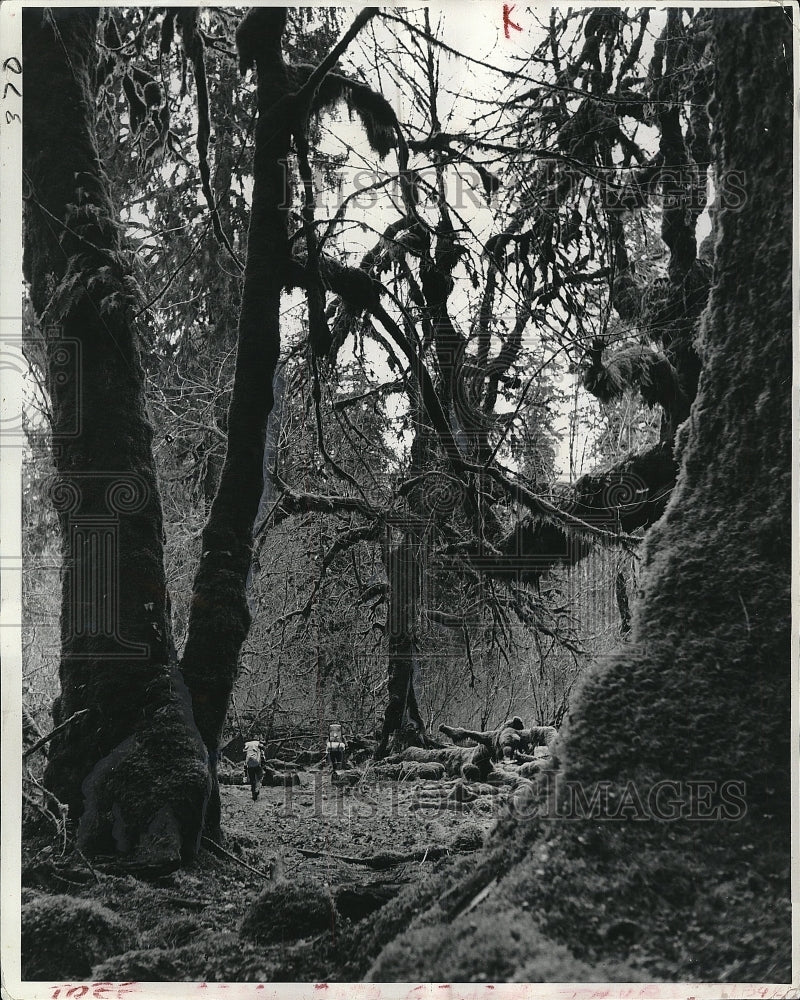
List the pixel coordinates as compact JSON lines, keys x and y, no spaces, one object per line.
{"x":219,"y":617}
{"x":700,"y":695}
{"x":132,"y":769}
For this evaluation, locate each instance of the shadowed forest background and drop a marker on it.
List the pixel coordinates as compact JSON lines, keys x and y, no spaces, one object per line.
{"x":379,"y":377}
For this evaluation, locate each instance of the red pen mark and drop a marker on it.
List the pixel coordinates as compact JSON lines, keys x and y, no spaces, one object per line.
{"x":320,"y":986}
{"x":507,"y":22}
{"x":99,"y":991}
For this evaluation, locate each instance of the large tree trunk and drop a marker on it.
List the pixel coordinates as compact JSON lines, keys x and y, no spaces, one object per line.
{"x":219,"y":617}
{"x":701,"y":693}
{"x":401,"y":709}
{"x":132,"y":769}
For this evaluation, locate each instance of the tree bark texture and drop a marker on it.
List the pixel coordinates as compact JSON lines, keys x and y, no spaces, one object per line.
{"x":132,"y":768}
{"x":404,"y":583}
{"x":714,"y":620}
{"x":219,"y":617}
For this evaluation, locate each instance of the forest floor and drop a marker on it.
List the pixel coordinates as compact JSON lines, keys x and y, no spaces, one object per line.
{"x":281,"y":904}
{"x":178,"y":926}
{"x":366,"y":820}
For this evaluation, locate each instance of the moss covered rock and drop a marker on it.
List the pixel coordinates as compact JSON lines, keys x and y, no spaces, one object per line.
{"x":468,"y":838}
{"x":288,"y":911}
{"x":64,"y":937}
{"x":495,"y":956}
{"x":150,"y":965}
{"x":210,"y":956}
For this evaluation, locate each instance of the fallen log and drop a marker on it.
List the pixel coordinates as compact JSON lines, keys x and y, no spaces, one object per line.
{"x":533,"y":767}
{"x":389,"y":772}
{"x":471,"y":763}
{"x":416,"y":771}
{"x":505,"y":775}
{"x":507,"y":741}
{"x":463,"y":792}
{"x":458,"y":735}
{"x":461,"y":797}
{"x":219,"y":849}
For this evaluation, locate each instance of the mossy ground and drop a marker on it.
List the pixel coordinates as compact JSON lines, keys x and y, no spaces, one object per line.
{"x":217,"y":921}
{"x":187,"y":926}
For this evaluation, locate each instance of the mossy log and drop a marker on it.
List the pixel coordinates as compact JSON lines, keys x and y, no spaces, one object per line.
{"x":471,"y":763}
{"x":418,"y":771}
{"x":508,"y":740}
{"x":287,"y":911}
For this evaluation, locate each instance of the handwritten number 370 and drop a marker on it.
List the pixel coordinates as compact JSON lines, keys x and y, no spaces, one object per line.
{"x":11,"y":65}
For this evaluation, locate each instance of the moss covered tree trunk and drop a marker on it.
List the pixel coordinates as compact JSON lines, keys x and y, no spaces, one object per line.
{"x":404,"y":565}
{"x":132,"y":768}
{"x":401,"y":708}
{"x":700,"y":696}
{"x":714,"y":624}
{"x":219,"y":617}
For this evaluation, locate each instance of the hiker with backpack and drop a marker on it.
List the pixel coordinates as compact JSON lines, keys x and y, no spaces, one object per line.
{"x":335,"y":747}
{"x":254,"y":762}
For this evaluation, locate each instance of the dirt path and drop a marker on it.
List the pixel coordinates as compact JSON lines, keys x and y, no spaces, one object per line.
{"x":364,"y":820}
